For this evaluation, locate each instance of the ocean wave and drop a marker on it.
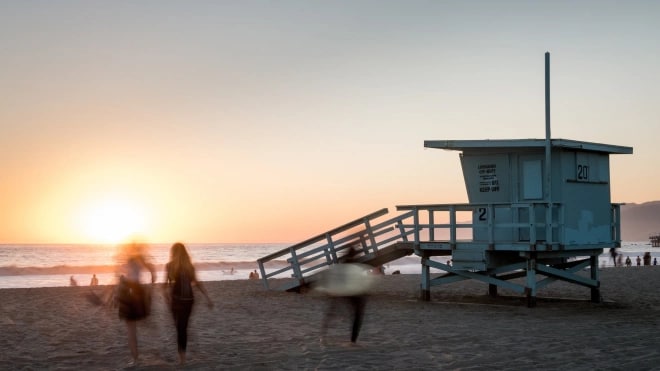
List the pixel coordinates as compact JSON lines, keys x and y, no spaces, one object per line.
{"x":13,"y":270}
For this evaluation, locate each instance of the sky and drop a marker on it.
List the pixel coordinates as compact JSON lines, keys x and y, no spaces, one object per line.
{"x":274,"y":121}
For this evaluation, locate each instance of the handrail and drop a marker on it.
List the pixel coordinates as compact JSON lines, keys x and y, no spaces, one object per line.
{"x":487,"y":220}
{"x":322,"y":236}
{"x":321,"y":250}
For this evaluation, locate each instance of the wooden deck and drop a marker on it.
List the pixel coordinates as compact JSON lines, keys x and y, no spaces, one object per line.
{"x":436,"y":230}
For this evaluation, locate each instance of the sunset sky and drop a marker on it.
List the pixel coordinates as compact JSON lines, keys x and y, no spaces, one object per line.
{"x":273,"y":121}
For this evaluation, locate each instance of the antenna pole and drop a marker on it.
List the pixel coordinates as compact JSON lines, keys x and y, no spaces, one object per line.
{"x":548,"y":155}
{"x":547,"y":96}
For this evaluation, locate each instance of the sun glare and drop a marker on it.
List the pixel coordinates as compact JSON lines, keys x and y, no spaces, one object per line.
{"x":111,"y":221}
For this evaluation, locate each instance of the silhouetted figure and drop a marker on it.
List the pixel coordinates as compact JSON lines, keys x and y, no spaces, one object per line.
{"x":628,"y":261}
{"x":647,"y":258}
{"x":180,"y":279}
{"x":94,"y":281}
{"x":72,"y":281}
{"x":133,"y":298}
{"x":613,"y":254}
{"x":655,"y":261}
{"x":356,"y":302}
{"x":254,"y":275}
{"x":639,"y":261}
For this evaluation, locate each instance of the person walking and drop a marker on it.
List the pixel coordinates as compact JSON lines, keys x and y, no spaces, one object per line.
{"x":180,"y":279}
{"x":132,"y":298}
{"x":342,"y":279}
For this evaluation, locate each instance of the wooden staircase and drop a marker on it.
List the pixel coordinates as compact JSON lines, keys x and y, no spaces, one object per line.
{"x":376,"y":242}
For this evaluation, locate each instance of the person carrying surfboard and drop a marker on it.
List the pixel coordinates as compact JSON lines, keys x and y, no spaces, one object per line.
{"x":346,"y":283}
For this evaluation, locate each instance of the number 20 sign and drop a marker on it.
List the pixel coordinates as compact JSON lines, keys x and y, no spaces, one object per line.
{"x":582,"y":172}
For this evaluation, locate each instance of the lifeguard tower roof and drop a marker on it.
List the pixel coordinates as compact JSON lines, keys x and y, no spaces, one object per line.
{"x":459,"y":145}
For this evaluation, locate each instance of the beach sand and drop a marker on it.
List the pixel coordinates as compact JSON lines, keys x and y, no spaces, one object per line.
{"x":251,"y":328}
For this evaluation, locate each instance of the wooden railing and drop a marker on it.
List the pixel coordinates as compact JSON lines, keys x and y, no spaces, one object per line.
{"x":306,"y":258}
{"x":425,"y":223}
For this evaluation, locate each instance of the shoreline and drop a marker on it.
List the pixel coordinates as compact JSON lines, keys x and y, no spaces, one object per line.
{"x":252,"y":328}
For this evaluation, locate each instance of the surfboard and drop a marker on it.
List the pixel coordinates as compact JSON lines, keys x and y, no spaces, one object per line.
{"x":346,"y":280}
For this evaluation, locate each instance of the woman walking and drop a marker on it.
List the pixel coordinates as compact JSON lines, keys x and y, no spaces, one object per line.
{"x":180,"y":279}
{"x":132,"y":298}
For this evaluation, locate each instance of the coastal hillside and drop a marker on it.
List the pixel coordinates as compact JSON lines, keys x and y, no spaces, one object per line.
{"x":638,"y":221}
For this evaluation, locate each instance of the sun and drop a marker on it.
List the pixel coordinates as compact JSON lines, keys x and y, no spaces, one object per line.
{"x":112,"y":221}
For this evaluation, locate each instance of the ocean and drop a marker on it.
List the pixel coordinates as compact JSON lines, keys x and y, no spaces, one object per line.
{"x":52,"y":265}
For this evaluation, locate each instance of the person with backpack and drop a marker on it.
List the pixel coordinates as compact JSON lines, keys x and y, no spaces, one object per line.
{"x":179,"y":282}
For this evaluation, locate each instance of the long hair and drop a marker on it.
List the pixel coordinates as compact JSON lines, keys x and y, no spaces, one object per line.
{"x":180,"y":261}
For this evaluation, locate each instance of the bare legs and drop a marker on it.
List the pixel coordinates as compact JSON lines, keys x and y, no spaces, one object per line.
{"x":131,"y":327}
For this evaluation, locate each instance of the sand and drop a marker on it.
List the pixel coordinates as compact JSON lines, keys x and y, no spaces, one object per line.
{"x":251,"y":328}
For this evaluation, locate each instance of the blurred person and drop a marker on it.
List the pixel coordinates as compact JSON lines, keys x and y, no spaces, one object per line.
{"x":132,"y":298}
{"x":179,"y":282}
{"x":647,"y":258}
{"x":94,"y":281}
{"x":72,"y":281}
{"x":613,"y":254}
{"x":347,"y":283}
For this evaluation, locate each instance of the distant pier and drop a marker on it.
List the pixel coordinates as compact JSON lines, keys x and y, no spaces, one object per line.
{"x":655,"y":240}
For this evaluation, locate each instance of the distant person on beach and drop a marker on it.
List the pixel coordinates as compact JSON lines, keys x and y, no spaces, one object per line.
{"x":180,"y":279}
{"x":94,"y":281}
{"x":647,"y":258}
{"x":356,"y":301}
{"x":655,"y":261}
{"x":133,"y":298}
{"x":613,"y":254}
{"x":639,"y":261}
{"x":72,"y":281}
{"x":254,"y":275}
{"x":619,"y":260}
{"x":628,"y":261}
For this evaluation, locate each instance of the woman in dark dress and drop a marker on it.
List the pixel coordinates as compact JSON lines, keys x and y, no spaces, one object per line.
{"x":180,"y":280}
{"x":133,"y":298}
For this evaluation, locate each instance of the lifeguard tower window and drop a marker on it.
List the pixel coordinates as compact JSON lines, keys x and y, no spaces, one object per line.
{"x":532,"y":171}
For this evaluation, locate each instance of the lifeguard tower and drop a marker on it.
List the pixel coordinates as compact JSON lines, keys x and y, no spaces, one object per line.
{"x":539,"y":211}
{"x":520,"y":225}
